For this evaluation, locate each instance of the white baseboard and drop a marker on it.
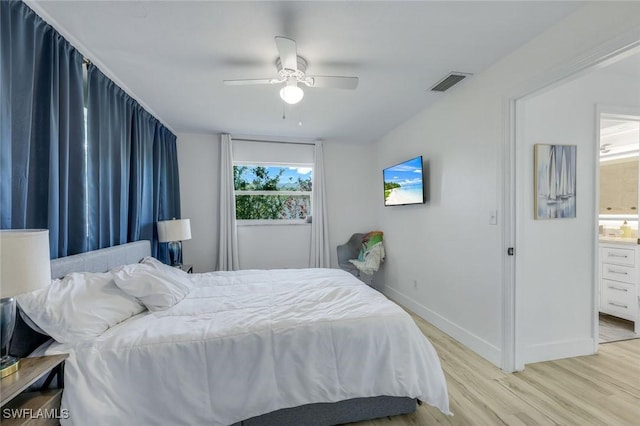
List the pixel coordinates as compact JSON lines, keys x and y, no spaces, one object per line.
{"x":483,"y":348}
{"x":558,"y":350}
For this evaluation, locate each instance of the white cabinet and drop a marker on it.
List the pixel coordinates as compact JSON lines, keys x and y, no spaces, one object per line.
{"x":619,"y":281}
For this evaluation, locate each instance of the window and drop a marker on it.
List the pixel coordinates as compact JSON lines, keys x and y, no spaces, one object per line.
{"x":272,"y":192}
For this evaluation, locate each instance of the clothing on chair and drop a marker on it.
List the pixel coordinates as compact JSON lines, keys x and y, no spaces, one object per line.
{"x":371,"y":254}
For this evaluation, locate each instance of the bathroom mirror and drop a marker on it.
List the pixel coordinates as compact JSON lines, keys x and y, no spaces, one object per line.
{"x":619,"y":159}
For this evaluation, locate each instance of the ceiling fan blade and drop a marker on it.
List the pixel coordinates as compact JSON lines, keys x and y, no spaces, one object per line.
{"x":248,"y":82}
{"x":288,"y":53}
{"x":334,"y":82}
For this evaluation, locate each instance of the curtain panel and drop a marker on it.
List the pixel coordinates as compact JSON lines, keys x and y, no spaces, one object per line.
{"x":42,"y":164}
{"x":166,"y":185}
{"x":228,"y":257}
{"x":319,"y":254}
{"x":141,"y":178}
{"x":106,"y":189}
{"x":109,"y":145}
{"x":132,"y":168}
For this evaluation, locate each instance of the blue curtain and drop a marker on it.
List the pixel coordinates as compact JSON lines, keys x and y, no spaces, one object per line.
{"x":42,"y":164}
{"x":166,"y":185}
{"x":132,"y":168}
{"x":107,"y":190}
{"x":109,"y":137}
{"x":141,"y":195}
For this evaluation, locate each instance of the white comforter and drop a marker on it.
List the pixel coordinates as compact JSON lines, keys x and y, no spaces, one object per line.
{"x":247,"y":343}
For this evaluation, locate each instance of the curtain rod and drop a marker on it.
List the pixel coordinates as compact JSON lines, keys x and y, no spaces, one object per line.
{"x":257,"y":139}
{"x":37,"y":7}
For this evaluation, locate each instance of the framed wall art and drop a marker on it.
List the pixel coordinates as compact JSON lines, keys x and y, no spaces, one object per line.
{"x":554,"y":181}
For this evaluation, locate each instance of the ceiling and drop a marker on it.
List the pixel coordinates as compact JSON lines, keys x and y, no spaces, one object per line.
{"x":173,"y":55}
{"x":620,"y":132}
{"x":619,"y":136}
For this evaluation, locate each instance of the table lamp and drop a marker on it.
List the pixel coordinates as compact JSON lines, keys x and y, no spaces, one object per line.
{"x":24,"y":267}
{"x":174,"y":232}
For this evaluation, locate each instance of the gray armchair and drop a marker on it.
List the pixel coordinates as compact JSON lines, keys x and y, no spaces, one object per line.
{"x":350,"y":250}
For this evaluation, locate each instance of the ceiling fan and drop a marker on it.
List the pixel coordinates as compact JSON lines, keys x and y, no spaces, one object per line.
{"x":291,"y":72}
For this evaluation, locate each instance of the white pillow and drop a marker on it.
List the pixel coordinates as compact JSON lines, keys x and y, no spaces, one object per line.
{"x":164,"y":268}
{"x":156,"y":289}
{"x":80,"y":306}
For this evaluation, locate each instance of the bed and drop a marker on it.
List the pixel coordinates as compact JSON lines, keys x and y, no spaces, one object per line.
{"x":278,"y":347}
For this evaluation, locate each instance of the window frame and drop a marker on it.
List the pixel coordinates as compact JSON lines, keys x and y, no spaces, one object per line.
{"x":276,"y":222}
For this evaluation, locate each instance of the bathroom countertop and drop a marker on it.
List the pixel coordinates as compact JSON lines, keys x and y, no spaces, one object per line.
{"x":618,"y":240}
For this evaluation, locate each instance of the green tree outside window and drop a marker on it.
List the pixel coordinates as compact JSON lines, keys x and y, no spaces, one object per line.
{"x":272,"y":192}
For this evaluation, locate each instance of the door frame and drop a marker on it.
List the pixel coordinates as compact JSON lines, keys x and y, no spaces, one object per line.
{"x":634,"y":115}
{"x":596,"y":58}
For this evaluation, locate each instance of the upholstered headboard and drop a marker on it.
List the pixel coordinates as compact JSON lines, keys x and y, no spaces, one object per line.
{"x":101,"y":260}
{"x":25,"y":339}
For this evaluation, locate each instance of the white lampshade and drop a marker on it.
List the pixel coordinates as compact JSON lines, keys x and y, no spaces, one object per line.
{"x":24,"y":261}
{"x":174,"y":230}
{"x":291,"y":93}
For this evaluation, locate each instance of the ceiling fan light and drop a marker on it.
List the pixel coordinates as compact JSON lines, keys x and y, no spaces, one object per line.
{"x":291,"y":94}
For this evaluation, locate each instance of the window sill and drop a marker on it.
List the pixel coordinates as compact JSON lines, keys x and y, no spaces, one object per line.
{"x":271,"y":222}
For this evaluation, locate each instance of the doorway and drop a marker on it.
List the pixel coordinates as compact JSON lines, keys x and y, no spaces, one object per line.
{"x":556,"y":295}
{"x":617,"y":209}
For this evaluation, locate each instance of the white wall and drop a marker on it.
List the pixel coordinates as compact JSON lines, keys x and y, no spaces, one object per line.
{"x":198,"y":163}
{"x":353,"y":181}
{"x":354,"y":189}
{"x":278,"y":245}
{"x":555,"y":267}
{"x":443,"y":258}
{"x":274,"y":246}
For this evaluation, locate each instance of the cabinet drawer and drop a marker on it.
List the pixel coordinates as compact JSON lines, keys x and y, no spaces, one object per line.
{"x":618,"y":256}
{"x":626,"y":274}
{"x":619,"y":299}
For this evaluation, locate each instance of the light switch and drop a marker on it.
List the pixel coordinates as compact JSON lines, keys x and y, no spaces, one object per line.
{"x":493,"y":217}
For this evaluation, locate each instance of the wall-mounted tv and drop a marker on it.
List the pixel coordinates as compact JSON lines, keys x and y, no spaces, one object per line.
{"x":403,"y":183}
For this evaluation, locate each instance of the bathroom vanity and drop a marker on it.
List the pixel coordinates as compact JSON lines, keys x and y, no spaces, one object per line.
{"x":619,"y":266}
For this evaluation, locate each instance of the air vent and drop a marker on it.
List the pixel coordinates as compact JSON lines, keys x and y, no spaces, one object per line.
{"x":449,"y":81}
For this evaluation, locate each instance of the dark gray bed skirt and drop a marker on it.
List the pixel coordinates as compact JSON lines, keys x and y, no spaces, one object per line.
{"x":327,"y":414}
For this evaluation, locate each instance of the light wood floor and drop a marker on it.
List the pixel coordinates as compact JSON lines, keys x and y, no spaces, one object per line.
{"x":602,"y":389}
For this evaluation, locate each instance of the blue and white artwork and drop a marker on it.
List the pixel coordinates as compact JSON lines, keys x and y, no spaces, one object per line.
{"x":555,"y":181}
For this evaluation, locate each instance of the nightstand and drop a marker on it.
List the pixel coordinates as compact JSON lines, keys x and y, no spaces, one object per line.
{"x":187,"y":268}
{"x":33,"y":408}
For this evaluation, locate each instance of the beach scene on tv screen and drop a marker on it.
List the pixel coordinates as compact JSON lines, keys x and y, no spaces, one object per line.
{"x":403,"y":183}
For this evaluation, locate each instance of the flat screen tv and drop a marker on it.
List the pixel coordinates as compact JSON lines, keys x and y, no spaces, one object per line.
{"x":403,"y":183}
